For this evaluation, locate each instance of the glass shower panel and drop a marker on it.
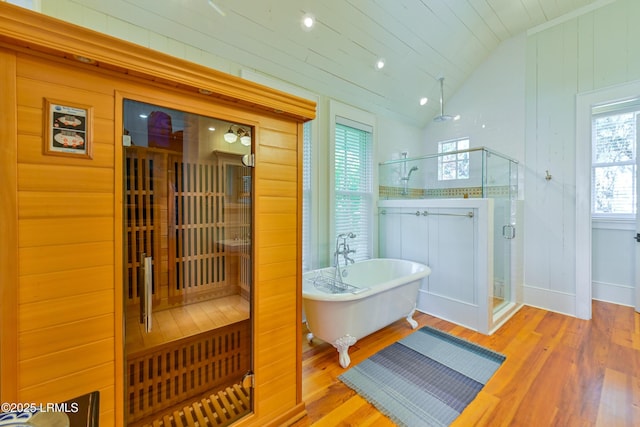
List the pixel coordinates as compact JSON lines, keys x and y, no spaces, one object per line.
{"x":502,"y":253}
{"x":187,"y":268}
{"x":498,"y":186}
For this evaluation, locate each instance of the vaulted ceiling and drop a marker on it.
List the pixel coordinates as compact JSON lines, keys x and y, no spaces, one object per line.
{"x":420,"y":40}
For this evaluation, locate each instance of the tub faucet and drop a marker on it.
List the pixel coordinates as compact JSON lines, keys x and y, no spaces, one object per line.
{"x":342,"y":248}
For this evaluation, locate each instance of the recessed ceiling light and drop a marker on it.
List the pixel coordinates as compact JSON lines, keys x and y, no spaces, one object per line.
{"x":142,"y":116}
{"x":308,"y":21}
{"x":424,"y":100}
{"x":380,"y":64}
{"x":211,"y":129}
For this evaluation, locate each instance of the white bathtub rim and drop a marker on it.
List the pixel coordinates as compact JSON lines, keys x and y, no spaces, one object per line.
{"x":309,"y":291}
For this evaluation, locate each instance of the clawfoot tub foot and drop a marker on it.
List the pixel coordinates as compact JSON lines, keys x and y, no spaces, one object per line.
{"x":310,"y":337}
{"x":342,"y":344}
{"x":410,"y":319}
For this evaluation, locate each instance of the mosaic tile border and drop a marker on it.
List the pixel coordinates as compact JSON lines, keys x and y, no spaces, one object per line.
{"x":386,"y":192}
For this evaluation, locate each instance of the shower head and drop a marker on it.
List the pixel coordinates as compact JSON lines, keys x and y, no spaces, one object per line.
{"x":442,"y":117}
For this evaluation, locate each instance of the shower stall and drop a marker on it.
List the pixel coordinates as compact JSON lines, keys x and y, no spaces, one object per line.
{"x":457,"y":212}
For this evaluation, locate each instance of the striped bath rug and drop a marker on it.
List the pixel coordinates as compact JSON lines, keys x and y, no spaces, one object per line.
{"x":425,"y":379}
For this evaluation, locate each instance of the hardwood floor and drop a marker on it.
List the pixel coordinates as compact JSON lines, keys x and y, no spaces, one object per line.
{"x":559,"y":371}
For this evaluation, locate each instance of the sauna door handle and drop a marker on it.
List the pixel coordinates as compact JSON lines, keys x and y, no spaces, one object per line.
{"x":145,"y":290}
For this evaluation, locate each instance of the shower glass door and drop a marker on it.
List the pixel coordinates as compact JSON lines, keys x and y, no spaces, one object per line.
{"x":187,"y":268}
{"x":503,"y":235}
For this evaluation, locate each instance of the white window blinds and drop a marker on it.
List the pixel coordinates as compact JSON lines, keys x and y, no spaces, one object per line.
{"x":353,"y":185}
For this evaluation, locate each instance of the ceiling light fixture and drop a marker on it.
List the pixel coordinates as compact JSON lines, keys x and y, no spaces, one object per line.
{"x":380,"y":64}
{"x":308,"y":21}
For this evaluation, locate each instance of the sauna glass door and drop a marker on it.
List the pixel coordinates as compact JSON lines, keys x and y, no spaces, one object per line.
{"x":187,"y":268}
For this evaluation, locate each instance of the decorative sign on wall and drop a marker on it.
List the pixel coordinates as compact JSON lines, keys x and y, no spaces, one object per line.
{"x":67,"y":129}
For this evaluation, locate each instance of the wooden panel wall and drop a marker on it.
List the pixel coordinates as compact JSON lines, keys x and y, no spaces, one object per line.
{"x":69,"y":218}
{"x":277,"y":261}
{"x":8,"y":229}
{"x":66,"y":246}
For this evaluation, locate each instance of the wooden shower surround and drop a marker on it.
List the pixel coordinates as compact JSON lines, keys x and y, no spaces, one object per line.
{"x":61,"y":315}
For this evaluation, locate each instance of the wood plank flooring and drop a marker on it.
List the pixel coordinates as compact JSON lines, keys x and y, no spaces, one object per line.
{"x":559,"y":371}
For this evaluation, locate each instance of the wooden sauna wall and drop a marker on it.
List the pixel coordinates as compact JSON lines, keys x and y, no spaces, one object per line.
{"x":67,"y":280}
{"x":69,"y":238}
{"x":190,"y":260}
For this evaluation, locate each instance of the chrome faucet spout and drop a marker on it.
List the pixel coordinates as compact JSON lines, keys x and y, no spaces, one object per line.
{"x":342,"y":248}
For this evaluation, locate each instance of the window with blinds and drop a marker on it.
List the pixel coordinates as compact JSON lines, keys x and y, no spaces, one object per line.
{"x":613,"y":175}
{"x":353,"y":185}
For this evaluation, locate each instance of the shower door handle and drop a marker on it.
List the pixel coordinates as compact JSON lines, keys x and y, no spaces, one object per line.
{"x":145,"y":290}
{"x":509,"y":232}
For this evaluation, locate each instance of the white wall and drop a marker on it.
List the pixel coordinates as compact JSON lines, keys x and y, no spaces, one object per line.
{"x":525,"y":96}
{"x":394,"y":137}
{"x":581,"y":54}
{"x":490,"y":104}
{"x":613,"y":261}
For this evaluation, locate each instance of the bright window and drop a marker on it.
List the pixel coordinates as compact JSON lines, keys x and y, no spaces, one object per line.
{"x":614,"y":161}
{"x":455,"y":165}
{"x":353,"y":185}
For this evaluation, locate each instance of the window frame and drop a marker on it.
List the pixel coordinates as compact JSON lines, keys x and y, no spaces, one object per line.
{"x":350,"y":116}
{"x":614,"y":109}
{"x":461,"y":158}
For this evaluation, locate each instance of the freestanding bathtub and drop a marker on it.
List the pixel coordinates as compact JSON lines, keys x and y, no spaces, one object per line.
{"x":371,"y":295}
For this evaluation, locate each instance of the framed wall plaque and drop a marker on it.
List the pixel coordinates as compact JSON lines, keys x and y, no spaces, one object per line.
{"x":67,"y":129}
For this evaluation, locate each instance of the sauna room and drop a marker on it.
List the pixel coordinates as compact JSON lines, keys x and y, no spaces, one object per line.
{"x":177,"y":175}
